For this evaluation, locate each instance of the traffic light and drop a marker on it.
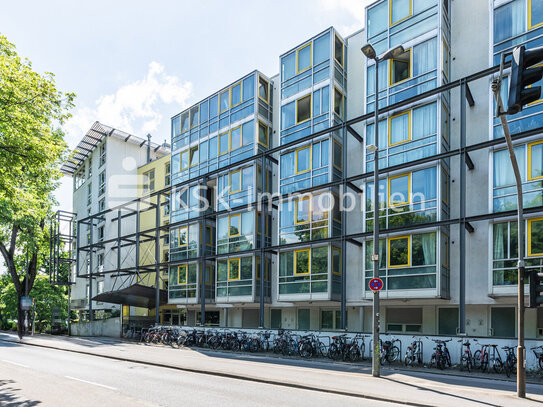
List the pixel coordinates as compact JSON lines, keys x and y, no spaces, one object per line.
{"x":520,"y":92}
{"x":536,"y":289}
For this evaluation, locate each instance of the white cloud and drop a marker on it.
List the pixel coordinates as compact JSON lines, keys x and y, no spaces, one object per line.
{"x":135,"y":107}
{"x":349,"y":12}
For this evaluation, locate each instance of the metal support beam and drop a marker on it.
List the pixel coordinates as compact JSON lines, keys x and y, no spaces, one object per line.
{"x":469,"y":162}
{"x":354,"y":187}
{"x":262,"y":264}
{"x":469,"y":96}
{"x":90,"y":271}
{"x":157,"y":260}
{"x":203,"y":253}
{"x":343,"y":307}
{"x":355,"y":134}
{"x":469,"y":227}
{"x":462,"y":228}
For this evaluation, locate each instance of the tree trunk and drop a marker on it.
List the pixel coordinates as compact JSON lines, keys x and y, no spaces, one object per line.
{"x":20,"y":318}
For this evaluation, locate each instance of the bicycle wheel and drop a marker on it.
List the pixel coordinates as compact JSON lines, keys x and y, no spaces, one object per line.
{"x":465,"y":363}
{"x":306,"y":350}
{"x":484,"y":363}
{"x":322,"y":350}
{"x":363,"y":351}
{"x":541,"y":363}
{"x":393,"y":354}
{"x":498,"y":366}
{"x":333,"y":352}
{"x":354,"y":353}
{"x":477,"y":359}
{"x":508,"y":367}
{"x":407,"y":360}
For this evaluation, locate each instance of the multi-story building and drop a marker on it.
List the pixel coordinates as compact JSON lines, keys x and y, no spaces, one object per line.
{"x":104,"y":167}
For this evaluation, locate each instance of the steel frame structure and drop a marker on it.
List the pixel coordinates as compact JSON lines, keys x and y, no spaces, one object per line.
{"x":133,"y":210}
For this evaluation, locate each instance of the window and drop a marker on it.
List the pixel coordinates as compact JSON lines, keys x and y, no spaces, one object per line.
{"x":100,"y":233}
{"x":535,"y":13}
{"x":338,"y":155}
{"x":90,"y":168}
{"x":184,"y":161}
{"x":185,"y":125}
{"x":338,"y":103}
{"x":303,"y":210}
{"x":193,"y":156}
{"x":400,"y":68}
{"x":213,"y":106}
{"x":301,"y":262}
{"x":79,"y":179}
{"x":338,"y":50}
{"x":535,"y":160}
{"x":102,"y":154}
{"x":399,"y":10}
{"x":194,"y":116}
{"x":235,"y":95}
{"x":503,"y":321}
{"x":377,"y":19}
{"x":235,"y":138}
{"x":183,"y":236}
{"x":510,"y":20}
{"x":235,"y":181}
{"x":399,"y":188}
{"x":234,"y":225}
{"x":448,"y":321}
{"x":223,"y":143}
{"x":204,"y":111}
{"x":535,"y":237}
{"x":209,"y":236}
{"x":102,"y":183}
{"x":303,"y":159}
{"x":149,"y":181}
{"x":101,"y":205}
{"x":89,"y":193}
{"x":399,"y":250}
{"x":262,"y":134}
{"x":263,"y":89}
{"x":321,"y":49}
{"x":303,"y":109}
{"x":404,"y":320}
{"x":336,"y":261}
{"x":223,"y":101}
{"x":182,"y":275}
{"x":303,"y":58}
{"x":304,"y":319}
{"x":234,"y":269}
{"x":100,"y":287}
{"x":167,"y":172}
{"x":399,"y":128}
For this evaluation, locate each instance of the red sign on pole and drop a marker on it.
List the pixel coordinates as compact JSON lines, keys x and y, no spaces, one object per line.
{"x":376,"y":284}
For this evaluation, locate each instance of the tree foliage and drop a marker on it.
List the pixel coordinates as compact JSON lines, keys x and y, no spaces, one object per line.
{"x":32,"y":148}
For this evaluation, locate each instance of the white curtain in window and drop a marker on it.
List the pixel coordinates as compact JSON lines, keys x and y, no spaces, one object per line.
{"x":500,"y":232}
{"x":399,"y":129}
{"x":503,"y":171}
{"x":424,"y":57}
{"x":429,"y":248}
{"x":424,"y":121}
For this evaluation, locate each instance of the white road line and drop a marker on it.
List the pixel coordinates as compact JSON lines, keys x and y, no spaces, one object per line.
{"x":86,"y":381}
{"x":14,"y":363}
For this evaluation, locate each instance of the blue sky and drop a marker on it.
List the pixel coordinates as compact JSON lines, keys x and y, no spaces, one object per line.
{"x":134,"y":64}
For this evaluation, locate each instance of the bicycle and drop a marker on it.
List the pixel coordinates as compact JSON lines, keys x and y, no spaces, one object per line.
{"x":389,"y":352}
{"x":538,"y":352}
{"x":466,"y":357}
{"x":413,"y":353}
{"x":493,"y":357}
{"x":510,"y":360}
{"x":441,"y":356}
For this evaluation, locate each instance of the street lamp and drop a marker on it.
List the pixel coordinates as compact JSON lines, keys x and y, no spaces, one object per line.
{"x":370,"y":53}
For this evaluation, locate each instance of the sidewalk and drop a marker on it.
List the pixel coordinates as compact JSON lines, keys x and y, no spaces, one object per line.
{"x":414,"y":388}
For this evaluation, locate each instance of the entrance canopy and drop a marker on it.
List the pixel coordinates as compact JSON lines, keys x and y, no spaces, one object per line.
{"x":136,"y":295}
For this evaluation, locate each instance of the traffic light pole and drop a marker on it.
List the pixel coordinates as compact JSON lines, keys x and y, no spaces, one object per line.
{"x":521,"y":350}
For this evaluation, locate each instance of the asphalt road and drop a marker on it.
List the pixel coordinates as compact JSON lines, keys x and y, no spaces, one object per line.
{"x":33,"y":376}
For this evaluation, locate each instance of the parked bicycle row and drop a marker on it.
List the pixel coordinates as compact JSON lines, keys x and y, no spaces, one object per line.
{"x":351,"y":348}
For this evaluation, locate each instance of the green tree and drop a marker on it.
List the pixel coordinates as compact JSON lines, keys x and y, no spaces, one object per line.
{"x":31,"y":149}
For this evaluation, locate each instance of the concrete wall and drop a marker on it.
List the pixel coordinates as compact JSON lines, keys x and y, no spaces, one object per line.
{"x":107,"y":327}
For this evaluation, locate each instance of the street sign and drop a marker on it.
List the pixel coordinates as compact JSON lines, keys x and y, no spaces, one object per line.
{"x":376,"y":284}
{"x":26,"y":303}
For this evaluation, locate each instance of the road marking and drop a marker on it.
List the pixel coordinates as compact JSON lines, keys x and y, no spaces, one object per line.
{"x":86,"y":381}
{"x":14,"y":363}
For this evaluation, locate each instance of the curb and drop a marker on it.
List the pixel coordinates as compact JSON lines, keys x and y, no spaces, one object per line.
{"x":232,"y":376}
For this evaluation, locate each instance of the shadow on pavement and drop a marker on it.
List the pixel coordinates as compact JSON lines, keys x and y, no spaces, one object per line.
{"x":8,"y":397}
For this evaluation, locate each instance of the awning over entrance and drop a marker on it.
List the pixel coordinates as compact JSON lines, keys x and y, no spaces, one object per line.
{"x":136,"y":295}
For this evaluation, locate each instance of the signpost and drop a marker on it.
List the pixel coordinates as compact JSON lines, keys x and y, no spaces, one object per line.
{"x":376,"y":284}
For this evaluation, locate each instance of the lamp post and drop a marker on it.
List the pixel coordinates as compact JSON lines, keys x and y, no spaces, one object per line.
{"x":370,"y":53}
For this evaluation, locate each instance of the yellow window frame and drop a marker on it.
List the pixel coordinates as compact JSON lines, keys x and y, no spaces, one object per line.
{"x":179,"y":268}
{"x":298,"y":58}
{"x":258,"y":136}
{"x":191,"y":152}
{"x":530,"y":26}
{"x":238,"y":259}
{"x":334,"y":197}
{"x":391,"y":63}
{"x":230,"y":147}
{"x":238,"y":215}
{"x":230,"y":181}
{"x":308,"y":251}
{"x":337,"y":273}
{"x":530,"y":221}
{"x":197,"y":115}
{"x":390,"y":144}
{"x":530,"y":178}
{"x":186,"y":228}
{"x":339,"y":167}
{"x":265,"y":268}
{"x":240,"y":93}
{"x":219,"y":142}
{"x":187,"y":152}
{"x":391,"y":23}
{"x":408,"y":175}
{"x":297,"y":201}
{"x":258,"y":220}
{"x":341,"y":103}
{"x":297,"y":151}
{"x":408,"y":237}
{"x":267,"y":85}
{"x":228,"y":98}
{"x":310,"y":96}
{"x":446,"y":55}
{"x":342,"y":49}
